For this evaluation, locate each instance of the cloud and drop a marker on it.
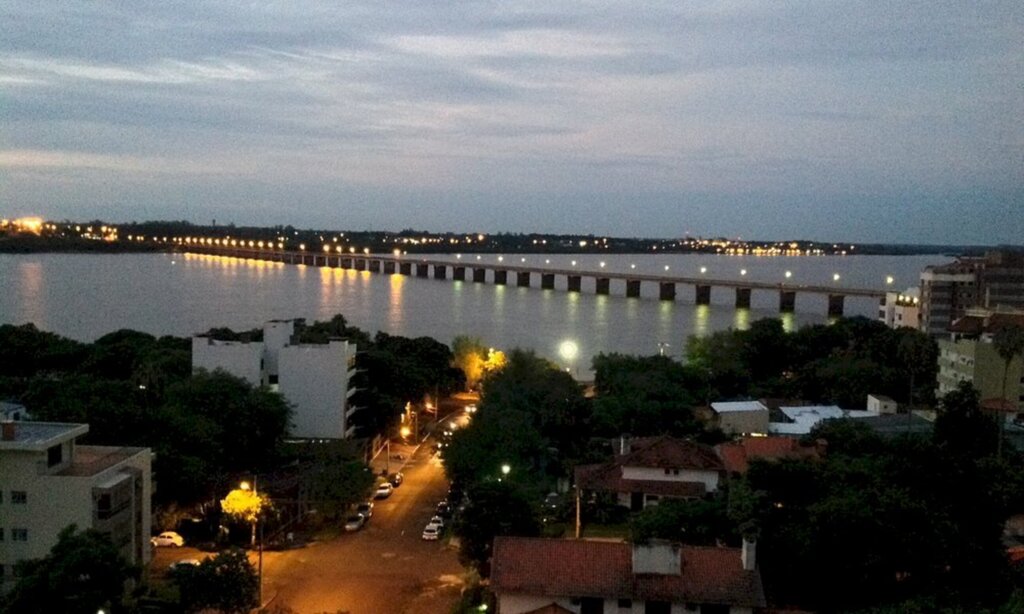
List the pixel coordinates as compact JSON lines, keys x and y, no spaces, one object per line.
{"x":436,"y":110}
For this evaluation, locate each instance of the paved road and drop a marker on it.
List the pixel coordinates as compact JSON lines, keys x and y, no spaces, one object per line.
{"x":386,"y":567}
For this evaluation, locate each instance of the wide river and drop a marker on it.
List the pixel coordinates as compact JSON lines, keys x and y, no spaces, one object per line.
{"x":86,"y":296}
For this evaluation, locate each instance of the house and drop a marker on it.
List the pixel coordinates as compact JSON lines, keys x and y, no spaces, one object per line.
{"x":881,"y":404}
{"x":48,"y":481}
{"x":314,"y":378}
{"x":800,"y":420}
{"x":740,"y":417}
{"x":649,"y":469}
{"x":532,"y":575}
{"x":736,"y":455}
{"x":13,"y":412}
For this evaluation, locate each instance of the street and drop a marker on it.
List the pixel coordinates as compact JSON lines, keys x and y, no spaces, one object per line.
{"x":385,"y":567}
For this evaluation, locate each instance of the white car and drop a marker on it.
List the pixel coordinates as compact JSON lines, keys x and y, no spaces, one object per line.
{"x":437,"y":521}
{"x":384,"y":491}
{"x":354,"y":522}
{"x":168,"y":539}
{"x":431,"y":532}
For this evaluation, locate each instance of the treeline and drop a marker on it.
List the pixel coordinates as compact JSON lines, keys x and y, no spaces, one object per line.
{"x":135,"y":389}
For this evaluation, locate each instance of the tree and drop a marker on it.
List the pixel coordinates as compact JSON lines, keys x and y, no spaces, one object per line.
{"x":246,"y":505}
{"x":469,"y":354}
{"x":962,"y":428}
{"x":225,"y":583}
{"x":917,"y":353}
{"x":495,"y":508}
{"x":83,"y":573}
{"x":333,"y":481}
{"x":1009,"y":343}
{"x":698,"y":523}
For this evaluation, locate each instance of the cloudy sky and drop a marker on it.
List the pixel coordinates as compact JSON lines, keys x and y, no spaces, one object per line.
{"x":866,"y":121}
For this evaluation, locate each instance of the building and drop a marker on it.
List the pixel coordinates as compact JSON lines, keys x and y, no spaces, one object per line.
{"x":531,"y":575}
{"x":314,"y":378}
{"x":13,"y":412}
{"x":646,"y":470}
{"x":740,"y":417}
{"x":800,"y":420}
{"x":967,"y":354}
{"x":881,"y":404}
{"x":948,"y":291}
{"x":737,"y":455}
{"x":901,"y":309}
{"x":48,"y":481}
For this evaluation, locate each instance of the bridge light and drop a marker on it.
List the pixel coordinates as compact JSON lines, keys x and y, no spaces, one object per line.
{"x":889,"y":279}
{"x":632,"y":266}
{"x":666,"y":267}
{"x":743,"y":271}
{"x":835,"y":276}
{"x":703,"y":269}
{"x":602,"y":265}
{"x":501,"y":258}
{"x":574,"y":263}
{"x":789,"y":274}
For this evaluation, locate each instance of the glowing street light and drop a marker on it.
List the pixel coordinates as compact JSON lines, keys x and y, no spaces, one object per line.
{"x":501,"y":258}
{"x":568,"y":350}
{"x":703,"y":270}
{"x":889,"y":279}
{"x":666,"y":267}
{"x":743,"y":271}
{"x":574,"y":263}
{"x":505,"y":469}
{"x":602,"y":265}
{"x":835,"y":276}
{"x":789,"y":274}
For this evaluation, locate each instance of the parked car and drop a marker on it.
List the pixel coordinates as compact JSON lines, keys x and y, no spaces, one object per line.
{"x":396,"y":479}
{"x":437,"y":520}
{"x":384,"y":491}
{"x":431,"y":532}
{"x":365,"y":509}
{"x":183,"y":564}
{"x":168,"y":539}
{"x":443,"y":509}
{"x":354,"y":522}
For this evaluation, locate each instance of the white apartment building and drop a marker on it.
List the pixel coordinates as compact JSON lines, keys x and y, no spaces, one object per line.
{"x":314,"y":378}
{"x":48,"y":482}
{"x":901,"y":309}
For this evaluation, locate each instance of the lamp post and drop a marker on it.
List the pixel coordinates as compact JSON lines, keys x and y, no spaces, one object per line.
{"x":259,"y":555}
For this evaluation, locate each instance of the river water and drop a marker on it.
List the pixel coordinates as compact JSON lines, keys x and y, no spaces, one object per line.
{"x":85,"y":296}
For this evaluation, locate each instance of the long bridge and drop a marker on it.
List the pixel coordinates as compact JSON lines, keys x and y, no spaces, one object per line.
{"x":524,"y":276}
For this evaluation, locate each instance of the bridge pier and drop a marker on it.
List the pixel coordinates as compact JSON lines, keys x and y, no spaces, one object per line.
{"x":479,"y":275}
{"x":440,"y":271}
{"x":375,"y":266}
{"x":547,"y":281}
{"x":574,"y":283}
{"x":389,"y":267}
{"x":422,"y":269}
{"x":702,"y":295}
{"x":633,"y":288}
{"x":405,"y":268}
{"x":603,"y":285}
{"x":360,"y":264}
{"x":523,"y":279}
{"x":835,"y":305}
{"x":345,"y":263}
{"x":743,"y":298}
{"x":787,"y":301}
{"x":500,"y":277}
{"x":459,"y":273}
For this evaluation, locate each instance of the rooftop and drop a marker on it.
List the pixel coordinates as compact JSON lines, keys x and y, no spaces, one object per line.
{"x":665,"y":452}
{"x":737,"y":454}
{"x":572,"y":568}
{"x":91,"y":460}
{"x":40,"y":435}
{"x":607,"y":477}
{"x":728,"y":406}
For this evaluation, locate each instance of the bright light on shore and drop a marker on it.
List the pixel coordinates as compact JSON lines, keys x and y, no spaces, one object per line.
{"x":568,"y":350}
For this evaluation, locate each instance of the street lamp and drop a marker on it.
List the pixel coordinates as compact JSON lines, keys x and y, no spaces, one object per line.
{"x":568,"y":350}
{"x":505,"y":469}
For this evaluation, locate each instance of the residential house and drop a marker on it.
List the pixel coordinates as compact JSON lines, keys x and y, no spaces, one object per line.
{"x":646,"y":470}
{"x":534,"y":575}
{"x":741,"y":417}
{"x":736,"y":455}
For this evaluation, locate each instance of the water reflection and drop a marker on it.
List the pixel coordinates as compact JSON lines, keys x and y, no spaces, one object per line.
{"x":701,"y":321}
{"x":741,"y":318}
{"x":395,"y":311}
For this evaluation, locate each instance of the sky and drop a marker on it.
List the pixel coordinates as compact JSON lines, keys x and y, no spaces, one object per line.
{"x":829,"y":120}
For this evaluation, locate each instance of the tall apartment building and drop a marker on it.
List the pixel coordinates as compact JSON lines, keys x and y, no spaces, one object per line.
{"x":947,"y":291}
{"x":48,"y":482}
{"x":968,"y":355}
{"x":314,"y":378}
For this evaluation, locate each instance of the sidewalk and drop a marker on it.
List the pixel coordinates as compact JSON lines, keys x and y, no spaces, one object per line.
{"x":400,"y":454}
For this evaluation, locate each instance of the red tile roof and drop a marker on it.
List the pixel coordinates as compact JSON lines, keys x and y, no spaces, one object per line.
{"x":551,"y":608}
{"x":607,"y":477}
{"x":665,"y":452}
{"x":581,"y":568}
{"x":737,"y":455}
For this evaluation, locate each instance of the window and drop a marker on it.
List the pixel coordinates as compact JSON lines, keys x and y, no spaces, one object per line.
{"x":54,"y":455}
{"x":19,"y":535}
{"x":19,"y":497}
